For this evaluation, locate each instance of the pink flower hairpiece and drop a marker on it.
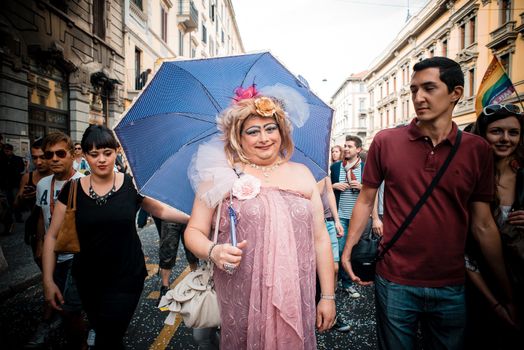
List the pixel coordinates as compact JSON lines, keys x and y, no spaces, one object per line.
{"x":242,"y":94}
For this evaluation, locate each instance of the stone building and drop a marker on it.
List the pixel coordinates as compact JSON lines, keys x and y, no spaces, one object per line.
{"x":350,"y":103}
{"x":158,"y":30}
{"x":468,"y":31}
{"x":61,"y":65}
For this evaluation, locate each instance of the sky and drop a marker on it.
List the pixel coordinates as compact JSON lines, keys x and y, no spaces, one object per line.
{"x":324,"y":41}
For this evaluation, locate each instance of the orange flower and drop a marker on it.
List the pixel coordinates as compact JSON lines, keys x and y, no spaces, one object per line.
{"x":265,"y":106}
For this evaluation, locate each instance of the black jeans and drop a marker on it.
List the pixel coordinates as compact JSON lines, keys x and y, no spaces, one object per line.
{"x":109,"y":313}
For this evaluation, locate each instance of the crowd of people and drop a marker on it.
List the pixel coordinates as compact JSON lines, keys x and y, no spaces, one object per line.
{"x":454,"y":280}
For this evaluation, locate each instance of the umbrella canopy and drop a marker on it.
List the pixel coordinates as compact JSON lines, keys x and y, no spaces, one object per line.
{"x":177,"y":111}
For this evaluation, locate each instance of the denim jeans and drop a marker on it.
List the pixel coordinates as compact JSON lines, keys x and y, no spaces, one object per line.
{"x":342,"y":275}
{"x":441,"y":313}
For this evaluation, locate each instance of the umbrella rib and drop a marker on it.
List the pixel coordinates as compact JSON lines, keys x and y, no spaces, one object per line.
{"x":211,"y":98}
{"x":313,"y":161}
{"x":254,"y":62}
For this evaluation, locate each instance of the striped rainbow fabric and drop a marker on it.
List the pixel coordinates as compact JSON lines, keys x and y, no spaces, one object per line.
{"x":494,"y":87}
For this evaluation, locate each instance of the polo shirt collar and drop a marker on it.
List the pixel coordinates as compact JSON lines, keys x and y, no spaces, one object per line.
{"x":415,"y":133}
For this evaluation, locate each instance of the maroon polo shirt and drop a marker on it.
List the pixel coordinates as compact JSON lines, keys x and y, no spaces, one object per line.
{"x":430,"y":252}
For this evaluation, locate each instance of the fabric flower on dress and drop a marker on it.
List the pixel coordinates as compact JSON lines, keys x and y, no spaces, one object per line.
{"x":265,"y":106}
{"x":246,"y":187}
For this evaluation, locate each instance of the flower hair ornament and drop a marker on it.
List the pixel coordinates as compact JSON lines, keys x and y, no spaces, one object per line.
{"x":293,"y":103}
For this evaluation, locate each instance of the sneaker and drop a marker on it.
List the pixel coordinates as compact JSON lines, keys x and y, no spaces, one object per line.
{"x":340,"y":326}
{"x":91,"y":338}
{"x":40,"y":336}
{"x":352,"y":292}
{"x":163,"y":291}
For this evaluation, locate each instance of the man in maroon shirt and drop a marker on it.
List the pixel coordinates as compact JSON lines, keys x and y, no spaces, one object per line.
{"x":421,"y":279}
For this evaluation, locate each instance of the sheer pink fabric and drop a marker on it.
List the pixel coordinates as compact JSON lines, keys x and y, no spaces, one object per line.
{"x":269,"y":302}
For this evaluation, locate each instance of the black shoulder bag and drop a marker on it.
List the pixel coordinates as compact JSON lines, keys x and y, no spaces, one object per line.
{"x":365,"y":253}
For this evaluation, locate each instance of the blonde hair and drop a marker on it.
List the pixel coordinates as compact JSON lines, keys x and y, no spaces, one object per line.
{"x":231,"y":121}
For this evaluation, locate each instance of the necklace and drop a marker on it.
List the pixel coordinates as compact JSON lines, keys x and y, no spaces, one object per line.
{"x":266,"y":170}
{"x":101,"y":200}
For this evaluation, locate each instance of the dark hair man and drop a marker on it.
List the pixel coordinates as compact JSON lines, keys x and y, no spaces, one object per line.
{"x":346,"y":176}
{"x":427,"y":262}
{"x":26,"y":199}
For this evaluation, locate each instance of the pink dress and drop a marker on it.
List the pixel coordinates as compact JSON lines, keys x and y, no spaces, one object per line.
{"x":269,"y":302}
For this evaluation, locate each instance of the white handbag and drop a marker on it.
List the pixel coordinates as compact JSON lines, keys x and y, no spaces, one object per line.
{"x":194,"y":298}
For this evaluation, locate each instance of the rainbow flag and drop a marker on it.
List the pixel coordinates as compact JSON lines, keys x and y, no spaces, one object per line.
{"x":494,"y":87}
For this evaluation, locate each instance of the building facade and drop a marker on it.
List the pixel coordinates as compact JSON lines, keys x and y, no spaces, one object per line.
{"x":158,"y":30}
{"x":61,"y":66}
{"x":350,"y":103}
{"x":468,"y":31}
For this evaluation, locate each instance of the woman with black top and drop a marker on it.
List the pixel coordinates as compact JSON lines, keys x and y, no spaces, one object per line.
{"x":110,"y":269}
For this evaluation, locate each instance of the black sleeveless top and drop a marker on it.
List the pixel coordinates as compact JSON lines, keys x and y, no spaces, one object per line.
{"x":111,"y":256}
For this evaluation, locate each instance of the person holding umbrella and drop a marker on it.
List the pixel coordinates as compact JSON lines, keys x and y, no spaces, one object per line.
{"x":109,"y":270}
{"x":271,"y":206}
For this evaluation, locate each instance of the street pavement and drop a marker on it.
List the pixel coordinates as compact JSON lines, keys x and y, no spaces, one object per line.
{"x":21,"y":303}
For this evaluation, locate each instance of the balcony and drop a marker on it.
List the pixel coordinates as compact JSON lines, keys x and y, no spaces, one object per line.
{"x":503,"y":36}
{"x":187,"y":16}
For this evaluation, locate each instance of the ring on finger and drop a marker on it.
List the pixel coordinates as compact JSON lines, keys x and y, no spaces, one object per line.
{"x":229,"y":268}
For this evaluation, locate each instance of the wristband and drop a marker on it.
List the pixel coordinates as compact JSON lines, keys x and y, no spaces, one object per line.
{"x":327,"y":296}
{"x":210,"y":250}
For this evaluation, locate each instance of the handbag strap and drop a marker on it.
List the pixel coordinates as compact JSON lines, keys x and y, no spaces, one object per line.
{"x":217,"y":222}
{"x":72,"y":192}
{"x":424,"y":197}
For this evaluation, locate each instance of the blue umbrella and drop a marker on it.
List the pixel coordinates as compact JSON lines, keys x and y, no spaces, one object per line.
{"x":177,"y":111}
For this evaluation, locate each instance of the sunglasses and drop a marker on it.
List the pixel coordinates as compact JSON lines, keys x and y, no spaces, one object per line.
{"x":79,"y":148}
{"x":61,"y":153}
{"x":492,"y":109}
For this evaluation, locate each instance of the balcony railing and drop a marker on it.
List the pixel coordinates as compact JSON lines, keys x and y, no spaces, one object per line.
{"x":502,"y":35}
{"x":187,"y":15}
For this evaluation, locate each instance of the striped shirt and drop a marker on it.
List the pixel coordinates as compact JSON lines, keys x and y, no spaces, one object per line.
{"x":348,"y":198}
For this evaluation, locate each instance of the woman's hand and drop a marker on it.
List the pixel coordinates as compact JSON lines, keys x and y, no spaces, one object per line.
{"x":516,"y":218}
{"x":227,"y":254}
{"x":340,"y":229}
{"x":326,"y":312}
{"x":504,"y":313}
{"x":53,"y":296}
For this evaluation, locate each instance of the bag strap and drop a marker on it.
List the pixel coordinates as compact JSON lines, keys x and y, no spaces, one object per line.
{"x":424,"y":197}
{"x":74,"y":185}
{"x":217,"y":222}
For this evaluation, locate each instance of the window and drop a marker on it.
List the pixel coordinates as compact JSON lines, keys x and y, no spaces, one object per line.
{"x":394,"y":83}
{"x":381,"y":91}
{"x":361,"y":104}
{"x":471,"y":82}
{"x":505,"y":11}
{"x":181,"y":43}
{"x":462,"y":36}
{"x":48,"y":101}
{"x":163,"y":24}
{"x":99,"y":18}
{"x":472,"y":31}
{"x":362,"y":121}
{"x":504,"y":61}
{"x":138,"y":3}
{"x":431,"y":52}
{"x":394,"y":115}
{"x":445,"y":48}
{"x":387,"y":87}
{"x":138,"y":66}
{"x":204,"y":34}
{"x":193,"y":52}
